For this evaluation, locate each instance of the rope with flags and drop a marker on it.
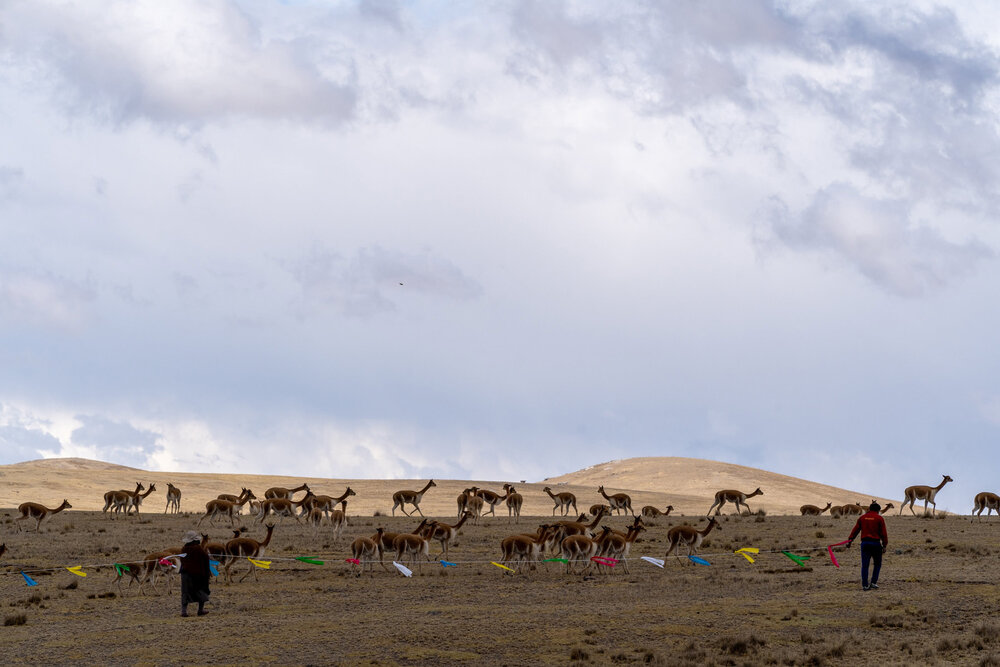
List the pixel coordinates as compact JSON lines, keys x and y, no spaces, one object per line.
{"x":751,"y":554}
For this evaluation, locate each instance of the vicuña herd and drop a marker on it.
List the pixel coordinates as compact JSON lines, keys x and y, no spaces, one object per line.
{"x":582,"y":543}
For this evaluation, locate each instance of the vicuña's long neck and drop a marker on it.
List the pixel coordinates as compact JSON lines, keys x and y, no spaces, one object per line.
{"x":941,"y":485}
{"x":604,"y":493}
{"x":597,"y":520}
{"x":461,"y":521}
{"x":426,"y":486}
{"x":708,"y":529}
{"x":267,"y":538}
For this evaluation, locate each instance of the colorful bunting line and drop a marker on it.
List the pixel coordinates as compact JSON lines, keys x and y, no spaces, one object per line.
{"x":121,"y":568}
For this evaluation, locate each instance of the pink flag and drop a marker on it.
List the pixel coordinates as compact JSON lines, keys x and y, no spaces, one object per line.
{"x":610,"y":562}
{"x":829,"y":550}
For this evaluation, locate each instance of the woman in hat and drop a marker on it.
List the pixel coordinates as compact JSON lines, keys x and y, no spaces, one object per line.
{"x":195,"y":572}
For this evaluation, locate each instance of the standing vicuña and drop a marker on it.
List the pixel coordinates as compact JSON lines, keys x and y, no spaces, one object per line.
{"x":524,"y":547}
{"x":364,"y":549}
{"x":411,"y":546}
{"x":218,"y":506}
{"x":688,"y":536}
{"x":924,"y":493}
{"x":173,"y":499}
{"x":619,"y":502}
{"x":444,"y":533}
{"x":282,"y":492}
{"x":617,"y":546}
{"x":562,"y":501}
{"x":732,"y":496}
{"x":118,"y":499}
{"x":514,"y":502}
{"x":135,"y":499}
{"x":326,"y":504}
{"x":986,"y":501}
{"x":245,"y":547}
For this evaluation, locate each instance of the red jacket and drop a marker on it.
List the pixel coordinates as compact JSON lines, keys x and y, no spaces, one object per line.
{"x":872,"y":527}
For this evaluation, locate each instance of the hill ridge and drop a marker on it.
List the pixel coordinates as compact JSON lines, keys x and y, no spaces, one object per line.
{"x":688,"y":484}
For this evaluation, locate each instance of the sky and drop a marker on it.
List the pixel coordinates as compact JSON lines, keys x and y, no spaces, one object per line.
{"x":503,"y":240}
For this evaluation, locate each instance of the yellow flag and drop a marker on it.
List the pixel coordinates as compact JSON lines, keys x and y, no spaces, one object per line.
{"x":76,"y":570}
{"x":502,"y":567}
{"x":746,"y":551}
{"x":264,"y":564}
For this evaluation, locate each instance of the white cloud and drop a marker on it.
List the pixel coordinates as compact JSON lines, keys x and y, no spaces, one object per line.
{"x":879,"y":239}
{"x":183,"y":63}
{"x":368,"y":282}
{"x":44,"y":298}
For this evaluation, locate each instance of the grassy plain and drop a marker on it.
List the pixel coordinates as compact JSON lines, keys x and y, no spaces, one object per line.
{"x":938,"y":604}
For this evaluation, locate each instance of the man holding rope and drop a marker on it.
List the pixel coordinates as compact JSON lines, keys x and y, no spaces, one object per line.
{"x":874,"y":540}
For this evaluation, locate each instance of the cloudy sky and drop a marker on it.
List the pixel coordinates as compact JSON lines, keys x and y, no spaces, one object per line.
{"x":503,"y":240}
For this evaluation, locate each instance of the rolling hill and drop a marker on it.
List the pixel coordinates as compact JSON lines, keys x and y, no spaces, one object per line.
{"x":687,"y":484}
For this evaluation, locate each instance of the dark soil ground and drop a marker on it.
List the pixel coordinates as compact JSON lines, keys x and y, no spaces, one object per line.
{"x":938,"y":602}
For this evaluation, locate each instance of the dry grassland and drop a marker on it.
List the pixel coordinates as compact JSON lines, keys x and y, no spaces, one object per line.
{"x":938,"y":604}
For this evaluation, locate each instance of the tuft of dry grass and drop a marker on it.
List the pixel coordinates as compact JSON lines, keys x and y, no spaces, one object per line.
{"x":741,"y":645}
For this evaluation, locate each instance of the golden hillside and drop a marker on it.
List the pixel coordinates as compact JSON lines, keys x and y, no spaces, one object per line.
{"x":687,"y":484}
{"x":696,"y":480}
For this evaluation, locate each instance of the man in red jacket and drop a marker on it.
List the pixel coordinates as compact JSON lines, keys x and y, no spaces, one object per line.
{"x":874,"y":540}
